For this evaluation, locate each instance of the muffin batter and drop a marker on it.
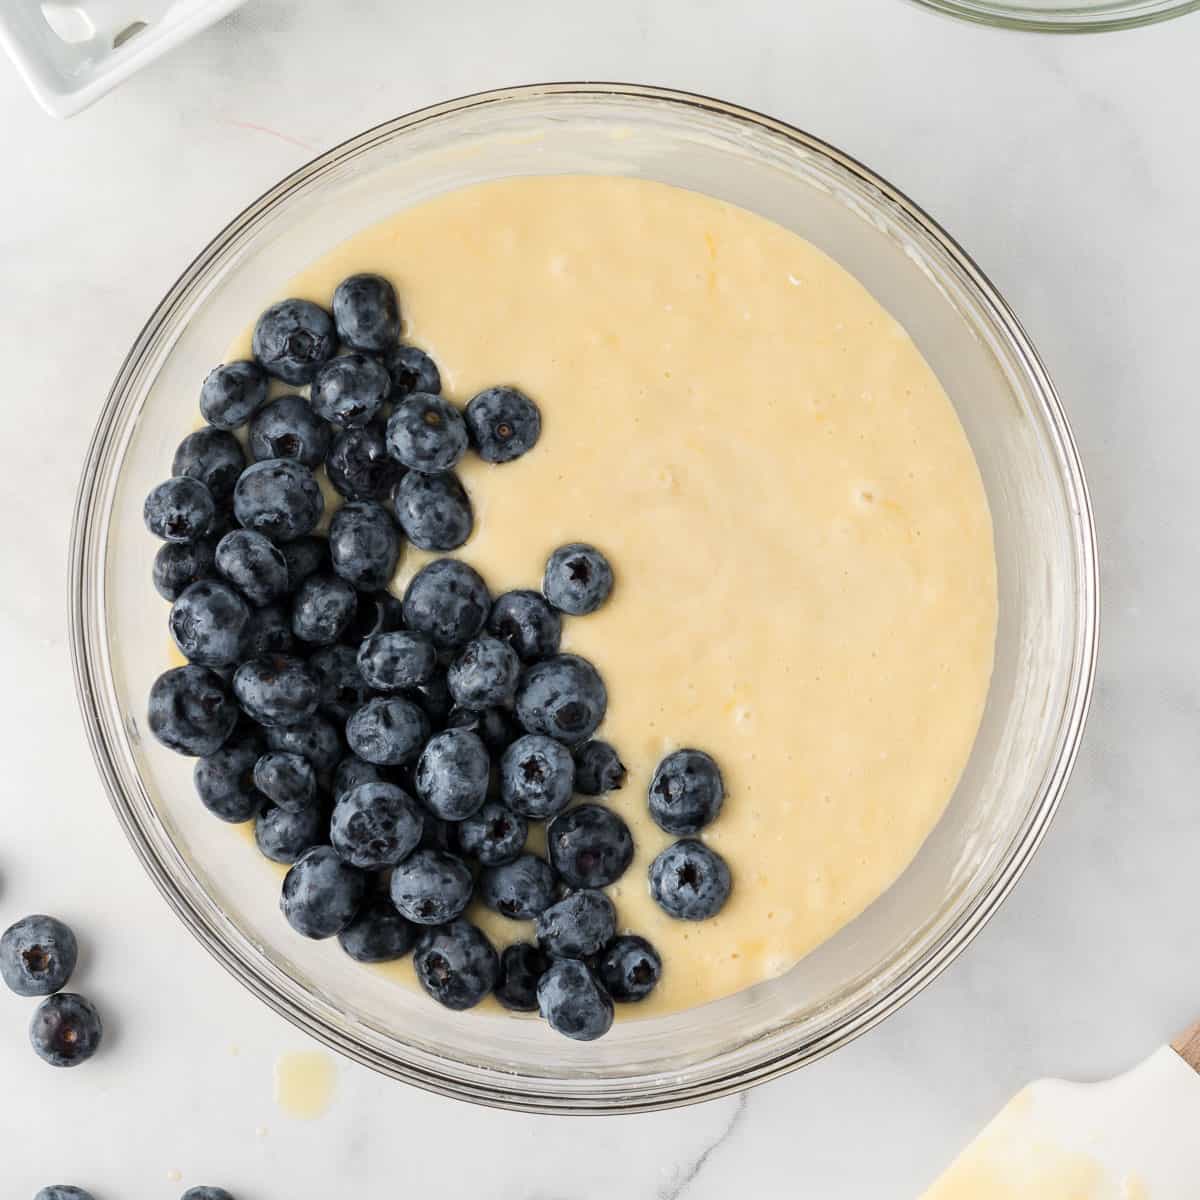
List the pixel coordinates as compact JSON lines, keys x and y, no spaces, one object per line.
{"x":806,"y":585}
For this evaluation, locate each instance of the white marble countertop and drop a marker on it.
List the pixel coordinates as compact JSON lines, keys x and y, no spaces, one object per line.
{"x":1068,"y":167}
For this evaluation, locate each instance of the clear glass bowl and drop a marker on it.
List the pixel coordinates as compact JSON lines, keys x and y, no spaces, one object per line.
{"x":1044,"y":543}
{"x":1068,"y":16}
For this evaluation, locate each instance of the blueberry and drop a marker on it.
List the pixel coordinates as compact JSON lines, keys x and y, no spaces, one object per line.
{"x":495,"y":725}
{"x":208,"y":623}
{"x":578,"y":579}
{"x":342,"y":689}
{"x":452,"y":774}
{"x":484,"y":674}
{"x":366,"y":312}
{"x":378,"y":934}
{"x":578,"y":926}
{"x":323,"y":608}
{"x":232,"y":394}
{"x":364,"y":545}
{"x":433,"y":510}
{"x":253,"y":564}
{"x":276,"y":689}
{"x":278,"y":497}
{"x":456,"y":964}
{"x":411,"y":370}
{"x":388,"y":731}
{"x":63,"y":1191}
{"x":292,"y":339}
{"x":431,"y":887}
{"x":527,"y":623}
{"x":521,"y":889}
{"x":376,"y":612}
{"x":37,"y":955}
{"x":179,"y":510}
{"x":433,"y":698}
{"x":689,"y":881}
{"x":686,"y":792}
{"x":321,"y":893}
{"x":493,"y":836}
{"x":521,"y":966}
{"x":574,"y":1002}
{"x":448,"y":601}
{"x":426,"y":433}
{"x":65,"y":1030}
{"x":206,"y":1193}
{"x":589,"y":846}
{"x":304,"y":556}
{"x":284,"y":836}
{"x":317,"y":740}
{"x":359,"y":466}
{"x":598,"y":769}
{"x":629,"y":968}
{"x":562,"y":697}
{"x":375,"y":825}
{"x":537,"y":776}
{"x":504,"y":424}
{"x":287,"y":780}
{"x":288,"y":428}
{"x":352,"y":771}
{"x":214,"y":457}
{"x":178,"y":565}
{"x":269,"y":631}
{"x":191,"y":710}
{"x":348,"y":391}
{"x":224,"y":780}
{"x":393,"y":661}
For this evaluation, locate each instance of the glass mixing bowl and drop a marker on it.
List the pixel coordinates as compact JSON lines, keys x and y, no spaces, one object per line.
{"x":1068,"y":16}
{"x":1047,"y":577}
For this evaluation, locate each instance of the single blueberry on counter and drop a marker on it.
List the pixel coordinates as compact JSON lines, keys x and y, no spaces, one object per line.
{"x":348,"y":391}
{"x":364,"y":545}
{"x":629,"y":968}
{"x":527,"y":623}
{"x":288,"y":428}
{"x":687,"y":792}
{"x":285,"y":837}
{"x":448,"y":601}
{"x":359,"y":466}
{"x":321,"y":893}
{"x":232,"y":393}
{"x":537,"y":776}
{"x":224,"y":780}
{"x":287,"y":780}
{"x":63,"y":1191}
{"x":388,"y":731}
{"x":342,"y":689}
{"x":573,"y":1001}
{"x":452,"y":774}
{"x":456,"y":964}
{"x":208,"y":623}
{"x":521,"y":966}
{"x":323,"y":608}
{"x":278,"y":497}
{"x":521,"y":889}
{"x":589,"y":846}
{"x":426,"y":433}
{"x":191,"y":711}
{"x":504,"y":424}
{"x":690,"y":881}
{"x":206,"y":1193}
{"x":378,"y":934}
{"x":433,"y":510}
{"x":578,"y":926}
{"x":391,"y":662}
{"x":494,"y":835}
{"x":37,"y":955}
{"x":178,"y":565}
{"x":254,"y":565}
{"x":366,"y":312}
{"x":316,"y":739}
{"x":578,"y":579}
{"x":411,"y":370}
{"x":214,"y":457}
{"x":179,"y":509}
{"x":276,"y":689}
{"x":292,"y":339}
{"x":562,"y":697}
{"x":431,"y":887}
{"x":598,"y":769}
{"x":66,"y":1030}
{"x":269,"y":631}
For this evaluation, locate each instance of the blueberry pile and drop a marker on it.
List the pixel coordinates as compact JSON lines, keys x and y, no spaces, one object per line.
{"x":37,"y":956}
{"x":393,"y":752}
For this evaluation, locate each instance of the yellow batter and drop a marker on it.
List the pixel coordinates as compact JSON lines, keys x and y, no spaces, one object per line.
{"x":806,"y":583}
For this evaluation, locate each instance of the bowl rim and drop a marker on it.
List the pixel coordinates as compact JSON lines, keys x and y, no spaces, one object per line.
{"x":1107,"y":17}
{"x":481,"y":1085}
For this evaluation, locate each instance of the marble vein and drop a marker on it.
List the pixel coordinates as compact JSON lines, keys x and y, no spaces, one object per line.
{"x":689,"y":1173}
